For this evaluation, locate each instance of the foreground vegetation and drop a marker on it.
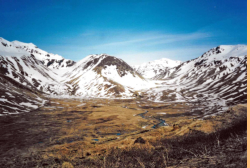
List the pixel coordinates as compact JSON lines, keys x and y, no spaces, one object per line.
{"x":63,"y":134}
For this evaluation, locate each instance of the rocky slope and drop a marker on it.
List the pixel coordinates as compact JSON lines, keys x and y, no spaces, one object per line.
{"x":104,"y":76}
{"x":218,"y":77}
{"x":24,"y":78}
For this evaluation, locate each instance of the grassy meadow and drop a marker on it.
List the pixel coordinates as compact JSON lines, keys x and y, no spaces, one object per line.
{"x":102,"y":133}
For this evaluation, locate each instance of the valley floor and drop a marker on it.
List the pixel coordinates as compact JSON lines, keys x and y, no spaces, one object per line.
{"x":104,"y":132}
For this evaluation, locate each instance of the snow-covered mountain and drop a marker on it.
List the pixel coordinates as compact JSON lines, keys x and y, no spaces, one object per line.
{"x":220,"y":73}
{"x":96,"y":75}
{"x":16,"y":48}
{"x":30,"y":72}
{"x":154,"y":68}
{"x":104,"y":76}
{"x":27,"y":74}
{"x":24,"y":78}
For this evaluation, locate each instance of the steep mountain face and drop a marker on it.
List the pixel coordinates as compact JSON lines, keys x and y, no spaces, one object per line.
{"x":104,"y":76}
{"x":50,"y":60}
{"x":17,"y":98}
{"x":157,"y":67}
{"x":19,"y":87}
{"x":220,"y":73}
{"x":24,"y":79}
{"x":30,"y":72}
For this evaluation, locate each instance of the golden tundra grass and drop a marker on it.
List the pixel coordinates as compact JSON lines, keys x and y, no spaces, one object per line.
{"x":81,"y":121}
{"x":73,"y":124}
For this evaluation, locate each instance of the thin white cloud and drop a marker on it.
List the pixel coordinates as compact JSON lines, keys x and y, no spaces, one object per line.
{"x":179,"y":38}
{"x":136,"y":48}
{"x":150,"y":39}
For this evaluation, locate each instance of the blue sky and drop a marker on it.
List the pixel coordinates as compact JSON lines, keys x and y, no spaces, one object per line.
{"x":135,"y":30}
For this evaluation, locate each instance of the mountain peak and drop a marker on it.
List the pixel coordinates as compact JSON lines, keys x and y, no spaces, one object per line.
{"x":17,"y":48}
{"x":23,"y":45}
{"x":224,"y":51}
{"x":153,"y":68}
{"x":100,"y":61}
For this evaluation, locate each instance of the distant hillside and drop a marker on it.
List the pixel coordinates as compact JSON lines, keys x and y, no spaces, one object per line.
{"x":154,"y":68}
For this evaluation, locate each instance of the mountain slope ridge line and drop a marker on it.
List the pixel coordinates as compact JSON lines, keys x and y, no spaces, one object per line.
{"x":219,"y":75}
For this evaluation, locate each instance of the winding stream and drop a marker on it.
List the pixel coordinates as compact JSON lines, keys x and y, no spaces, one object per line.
{"x":161,"y":123}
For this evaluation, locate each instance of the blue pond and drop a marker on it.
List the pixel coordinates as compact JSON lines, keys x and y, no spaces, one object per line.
{"x":118,"y":134}
{"x":95,"y":139}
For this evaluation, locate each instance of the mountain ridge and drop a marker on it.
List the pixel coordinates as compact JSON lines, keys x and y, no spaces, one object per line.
{"x":219,"y":75}
{"x":17,"y":48}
